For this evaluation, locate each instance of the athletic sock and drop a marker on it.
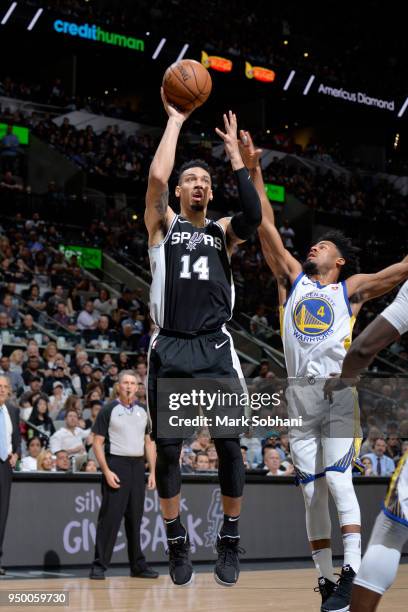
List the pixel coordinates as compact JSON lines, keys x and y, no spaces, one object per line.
{"x":352,"y":550}
{"x":323,"y":561}
{"x":174,"y":528}
{"x":230,"y":527}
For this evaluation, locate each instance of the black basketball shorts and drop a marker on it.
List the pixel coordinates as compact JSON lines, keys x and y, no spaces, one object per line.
{"x":208,"y":355}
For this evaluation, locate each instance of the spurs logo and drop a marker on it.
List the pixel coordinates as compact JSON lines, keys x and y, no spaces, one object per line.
{"x":215,"y":517}
{"x":194,"y":241}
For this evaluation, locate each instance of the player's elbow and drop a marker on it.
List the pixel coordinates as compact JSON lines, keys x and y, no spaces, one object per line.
{"x":245,"y":225}
{"x":360,"y":351}
{"x":405,"y":269}
{"x":156,"y":180}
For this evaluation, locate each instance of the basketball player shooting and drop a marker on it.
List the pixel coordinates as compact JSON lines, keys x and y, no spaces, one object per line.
{"x":192,"y":297}
{"x":319,"y":303}
{"x":380,"y":563}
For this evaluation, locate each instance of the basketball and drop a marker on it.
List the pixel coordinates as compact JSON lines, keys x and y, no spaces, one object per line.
{"x":187,"y":84}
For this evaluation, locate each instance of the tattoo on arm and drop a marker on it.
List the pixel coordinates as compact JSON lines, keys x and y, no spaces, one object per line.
{"x":162,"y":203}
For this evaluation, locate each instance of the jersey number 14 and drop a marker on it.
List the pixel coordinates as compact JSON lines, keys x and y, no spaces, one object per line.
{"x":200,"y":267}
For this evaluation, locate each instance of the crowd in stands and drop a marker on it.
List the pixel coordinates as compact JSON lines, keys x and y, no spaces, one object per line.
{"x":361,"y":201}
{"x":54,"y":93}
{"x":65,"y":340}
{"x":70,"y":337}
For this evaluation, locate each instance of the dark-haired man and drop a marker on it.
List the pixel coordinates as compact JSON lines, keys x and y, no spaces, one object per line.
{"x":192,"y":297}
{"x":319,"y":302}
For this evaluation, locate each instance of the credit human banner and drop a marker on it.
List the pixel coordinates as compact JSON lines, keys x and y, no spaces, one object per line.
{"x":95,"y":33}
{"x":358,"y":97}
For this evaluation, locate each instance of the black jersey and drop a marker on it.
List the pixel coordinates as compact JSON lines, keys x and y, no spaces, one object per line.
{"x":192,"y":287}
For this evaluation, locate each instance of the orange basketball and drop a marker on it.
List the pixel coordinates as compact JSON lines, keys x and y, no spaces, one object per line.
{"x":187,"y":84}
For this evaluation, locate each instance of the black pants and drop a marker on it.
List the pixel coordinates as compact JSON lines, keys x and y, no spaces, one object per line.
{"x":209,"y":356}
{"x":128,"y":502}
{"x":6,"y":475}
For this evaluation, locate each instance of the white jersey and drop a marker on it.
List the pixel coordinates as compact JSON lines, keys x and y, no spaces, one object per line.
{"x":397,"y":312}
{"x":316,"y":328}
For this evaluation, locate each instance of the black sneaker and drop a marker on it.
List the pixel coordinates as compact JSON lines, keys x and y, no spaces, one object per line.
{"x":226,"y":571}
{"x":143,"y":572}
{"x":180,"y":566}
{"x":97,"y":573}
{"x":325,"y":588}
{"x":339,"y":600}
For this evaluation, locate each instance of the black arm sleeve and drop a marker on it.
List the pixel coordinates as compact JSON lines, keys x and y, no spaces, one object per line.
{"x":245,"y":222}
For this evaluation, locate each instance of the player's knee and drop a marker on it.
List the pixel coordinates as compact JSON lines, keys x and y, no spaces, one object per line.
{"x":168,"y":454}
{"x":309,"y":493}
{"x":168,"y":473}
{"x":378,"y":568}
{"x":231,"y":470}
{"x":315,"y":493}
{"x":342,"y":490}
{"x":318,"y":525}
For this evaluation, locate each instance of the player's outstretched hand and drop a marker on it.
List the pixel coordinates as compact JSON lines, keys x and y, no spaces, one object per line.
{"x":171,"y":110}
{"x":230,"y":138}
{"x":249,"y":152}
{"x":336,"y":383}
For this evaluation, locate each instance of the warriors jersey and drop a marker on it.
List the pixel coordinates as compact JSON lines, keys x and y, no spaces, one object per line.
{"x":396,"y":501}
{"x":192,"y":288}
{"x":316,"y":327}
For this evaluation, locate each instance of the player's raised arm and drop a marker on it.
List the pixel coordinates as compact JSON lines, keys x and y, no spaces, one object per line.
{"x":282,"y":263}
{"x":158,"y":214}
{"x":364,"y":287}
{"x":244,"y":224}
{"x":385,"y":329}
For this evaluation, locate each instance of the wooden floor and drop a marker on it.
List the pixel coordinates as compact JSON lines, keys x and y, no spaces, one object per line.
{"x":280,"y":590}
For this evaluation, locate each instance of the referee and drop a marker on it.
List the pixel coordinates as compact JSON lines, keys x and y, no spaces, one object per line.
{"x":120,"y":445}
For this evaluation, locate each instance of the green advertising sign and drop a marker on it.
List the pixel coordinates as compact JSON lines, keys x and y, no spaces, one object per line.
{"x":22,"y":133}
{"x":275,"y":193}
{"x":87,"y":257}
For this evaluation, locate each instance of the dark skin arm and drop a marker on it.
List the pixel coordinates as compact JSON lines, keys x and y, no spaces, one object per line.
{"x":364,"y":287}
{"x":376,"y":336}
{"x":283,"y":265}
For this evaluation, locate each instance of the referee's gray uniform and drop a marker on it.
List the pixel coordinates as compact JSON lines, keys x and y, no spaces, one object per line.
{"x":124,"y":429}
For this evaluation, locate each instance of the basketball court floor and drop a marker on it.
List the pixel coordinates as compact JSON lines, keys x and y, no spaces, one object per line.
{"x":283,"y":590}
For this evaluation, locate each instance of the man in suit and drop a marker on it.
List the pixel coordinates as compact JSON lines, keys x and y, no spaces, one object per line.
{"x":9,"y":452}
{"x":382,"y":465}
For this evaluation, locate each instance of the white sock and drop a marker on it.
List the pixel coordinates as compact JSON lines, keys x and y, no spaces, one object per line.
{"x":323,"y":561}
{"x":352,"y":550}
